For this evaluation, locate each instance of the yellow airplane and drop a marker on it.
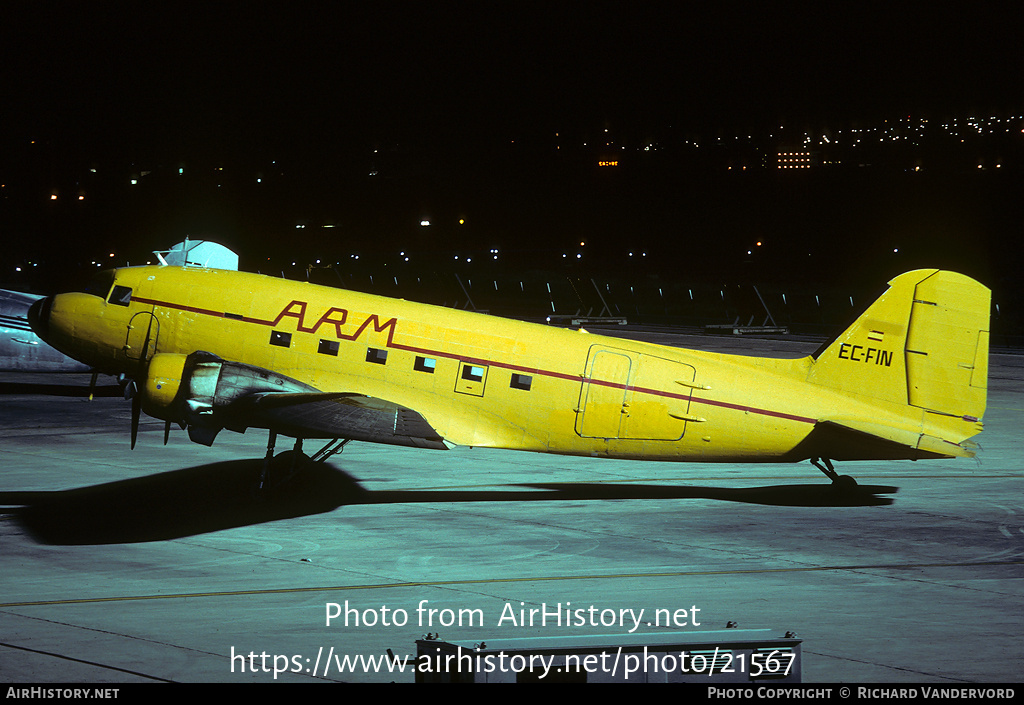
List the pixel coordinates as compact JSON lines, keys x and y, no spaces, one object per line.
{"x":212,"y":349}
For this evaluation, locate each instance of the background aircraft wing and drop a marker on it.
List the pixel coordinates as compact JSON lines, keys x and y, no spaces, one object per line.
{"x":20,"y":348}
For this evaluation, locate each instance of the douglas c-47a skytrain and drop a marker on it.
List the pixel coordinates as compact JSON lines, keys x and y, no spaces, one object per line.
{"x":213,"y":349}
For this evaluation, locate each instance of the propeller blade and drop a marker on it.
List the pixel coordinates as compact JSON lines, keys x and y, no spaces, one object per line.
{"x":167,"y":431}
{"x":136,"y":389}
{"x":136,"y":412}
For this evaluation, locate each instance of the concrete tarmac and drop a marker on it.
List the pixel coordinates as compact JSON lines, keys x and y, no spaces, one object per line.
{"x":162,"y":564}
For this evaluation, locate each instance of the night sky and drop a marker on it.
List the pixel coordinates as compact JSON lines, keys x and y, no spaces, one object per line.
{"x":224,"y":73}
{"x":438,"y":92}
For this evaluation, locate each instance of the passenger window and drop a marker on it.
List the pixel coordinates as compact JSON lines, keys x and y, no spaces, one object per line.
{"x":425,"y":364}
{"x":284,"y":340}
{"x":523,"y":382}
{"x":328,"y":347}
{"x":473,"y":373}
{"x":377,"y":356}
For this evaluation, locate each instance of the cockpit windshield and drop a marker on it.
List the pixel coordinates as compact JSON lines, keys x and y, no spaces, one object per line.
{"x":99,"y":283}
{"x":120,"y":295}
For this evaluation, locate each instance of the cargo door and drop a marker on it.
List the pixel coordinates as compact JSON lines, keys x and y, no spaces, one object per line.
{"x":603,"y":395}
{"x":633,"y":396}
{"x":658,"y":406}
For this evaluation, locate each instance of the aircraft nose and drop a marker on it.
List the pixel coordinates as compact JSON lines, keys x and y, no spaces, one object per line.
{"x":39,"y":316}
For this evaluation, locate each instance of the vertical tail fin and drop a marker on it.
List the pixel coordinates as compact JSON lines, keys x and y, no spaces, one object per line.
{"x":923,"y":343}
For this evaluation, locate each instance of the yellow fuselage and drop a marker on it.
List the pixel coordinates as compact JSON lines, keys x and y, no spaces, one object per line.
{"x":478,"y":380}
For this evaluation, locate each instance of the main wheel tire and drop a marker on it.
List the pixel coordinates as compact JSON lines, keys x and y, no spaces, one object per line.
{"x":845,"y":483}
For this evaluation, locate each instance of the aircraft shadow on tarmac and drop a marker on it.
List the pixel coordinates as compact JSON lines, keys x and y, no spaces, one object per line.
{"x":224,"y":495}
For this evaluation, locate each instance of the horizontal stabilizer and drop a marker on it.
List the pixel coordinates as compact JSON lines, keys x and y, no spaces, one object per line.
{"x":914,"y":443}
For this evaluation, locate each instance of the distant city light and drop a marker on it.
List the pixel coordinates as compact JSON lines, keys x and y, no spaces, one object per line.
{"x":425,"y":223}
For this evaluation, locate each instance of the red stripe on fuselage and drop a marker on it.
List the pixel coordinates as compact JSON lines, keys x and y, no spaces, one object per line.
{"x":392,"y":324}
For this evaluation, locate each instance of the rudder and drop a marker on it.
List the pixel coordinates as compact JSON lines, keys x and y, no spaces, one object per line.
{"x":947,"y":346}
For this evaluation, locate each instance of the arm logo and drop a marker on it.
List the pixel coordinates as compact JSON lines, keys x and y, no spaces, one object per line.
{"x":336,"y":317}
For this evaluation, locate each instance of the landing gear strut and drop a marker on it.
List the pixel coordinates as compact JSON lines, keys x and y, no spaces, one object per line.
{"x":290,"y":460}
{"x":840,"y":482}
{"x":333,"y":447}
{"x":265,"y":472}
{"x":284,"y":465}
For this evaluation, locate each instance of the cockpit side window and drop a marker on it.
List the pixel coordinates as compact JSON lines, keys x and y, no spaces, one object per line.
{"x":120,"y":295}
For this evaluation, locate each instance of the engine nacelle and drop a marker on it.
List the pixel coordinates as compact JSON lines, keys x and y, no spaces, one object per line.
{"x":204,"y":392}
{"x":163,"y":380}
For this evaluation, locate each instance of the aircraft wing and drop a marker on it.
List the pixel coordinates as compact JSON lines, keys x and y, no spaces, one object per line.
{"x":337,"y":415}
{"x":207,"y":393}
{"x":20,"y":348}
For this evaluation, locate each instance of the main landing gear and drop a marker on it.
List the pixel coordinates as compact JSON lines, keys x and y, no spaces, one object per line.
{"x":840,"y":482}
{"x":279,"y":469}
